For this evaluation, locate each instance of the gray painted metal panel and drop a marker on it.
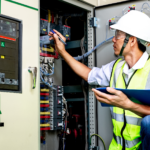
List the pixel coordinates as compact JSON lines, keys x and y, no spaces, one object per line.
{"x":105,"y":54}
{"x":52,"y":140}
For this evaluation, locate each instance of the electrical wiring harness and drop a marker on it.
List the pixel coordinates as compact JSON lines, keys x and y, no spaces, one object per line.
{"x":47,"y":74}
{"x":88,"y":53}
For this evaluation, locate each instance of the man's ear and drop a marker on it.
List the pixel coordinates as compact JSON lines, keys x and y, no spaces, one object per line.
{"x":133,"y":41}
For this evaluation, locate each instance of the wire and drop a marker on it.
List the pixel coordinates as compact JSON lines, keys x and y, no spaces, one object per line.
{"x":143,"y":6}
{"x":47,"y":74}
{"x":88,"y":53}
{"x":107,"y":26}
{"x":123,"y":13}
{"x":51,"y":86}
{"x":82,"y":48}
{"x":99,"y":137}
{"x":49,"y":16}
{"x":52,"y":17}
{"x":67,"y":20}
{"x":65,"y":123}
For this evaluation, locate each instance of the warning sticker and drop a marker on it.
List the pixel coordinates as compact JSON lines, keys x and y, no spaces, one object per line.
{"x":134,"y":5}
{"x":2,"y":57}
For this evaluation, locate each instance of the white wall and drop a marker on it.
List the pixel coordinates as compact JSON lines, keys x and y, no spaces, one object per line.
{"x":101,"y":2}
{"x":104,"y":2}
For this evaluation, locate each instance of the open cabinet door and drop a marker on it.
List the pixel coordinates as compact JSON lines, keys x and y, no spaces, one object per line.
{"x":105,"y":54}
{"x":91,"y":2}
{"x":20,"y":108}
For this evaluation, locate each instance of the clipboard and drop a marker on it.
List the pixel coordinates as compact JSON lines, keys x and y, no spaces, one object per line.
{"x":138,"y":96}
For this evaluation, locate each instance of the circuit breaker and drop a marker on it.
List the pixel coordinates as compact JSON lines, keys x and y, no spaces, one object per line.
{"x":43,"y":26}
{"x":10,"y":53}
{"x":51,"y":108}
{"x":66,"y":31}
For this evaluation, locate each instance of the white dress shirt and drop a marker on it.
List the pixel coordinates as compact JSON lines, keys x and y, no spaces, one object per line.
{"x":101,"y":76}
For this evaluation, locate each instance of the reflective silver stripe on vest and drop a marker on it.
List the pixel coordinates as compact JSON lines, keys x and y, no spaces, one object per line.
{"x":148,"y":82}
{"x":129,"y":119}
{"x":133,"y":120}
{"x":118,"y":117}
{"x":128,"y":144}
{"x":117,"y":72}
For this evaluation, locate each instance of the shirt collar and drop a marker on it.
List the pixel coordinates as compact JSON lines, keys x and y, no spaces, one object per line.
{"x":140,"y":64}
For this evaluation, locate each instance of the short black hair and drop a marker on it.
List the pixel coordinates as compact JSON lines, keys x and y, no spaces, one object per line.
{"x":141,"y":47}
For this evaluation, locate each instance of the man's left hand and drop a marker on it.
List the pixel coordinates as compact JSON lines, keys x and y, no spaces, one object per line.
{"x":118,"y":98}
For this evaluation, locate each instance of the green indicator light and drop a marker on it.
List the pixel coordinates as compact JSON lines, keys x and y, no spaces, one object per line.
{"x":2,"y":44}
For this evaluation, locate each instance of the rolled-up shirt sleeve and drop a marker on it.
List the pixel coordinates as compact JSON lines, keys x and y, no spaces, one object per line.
{"x":101,"y":76}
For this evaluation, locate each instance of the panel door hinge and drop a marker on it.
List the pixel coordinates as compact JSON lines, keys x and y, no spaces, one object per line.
{"x":94,"y":22}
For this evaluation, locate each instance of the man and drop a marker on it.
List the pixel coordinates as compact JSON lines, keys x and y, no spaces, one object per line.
{"x":133,"y":72}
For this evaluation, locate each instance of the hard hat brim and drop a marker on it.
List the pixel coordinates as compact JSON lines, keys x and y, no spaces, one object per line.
{"x":116,"y":27}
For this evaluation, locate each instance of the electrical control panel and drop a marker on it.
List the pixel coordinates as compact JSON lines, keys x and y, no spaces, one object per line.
{"x":52,"y":102}
{"x":59,"y":118}
{"x":10,"y":54}
{"x":46,"y":27}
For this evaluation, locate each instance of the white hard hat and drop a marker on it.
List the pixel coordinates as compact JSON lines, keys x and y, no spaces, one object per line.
{"x":135,"y":23}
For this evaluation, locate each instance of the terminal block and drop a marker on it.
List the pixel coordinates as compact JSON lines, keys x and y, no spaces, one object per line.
{"x":56,"y":104}
{"x":56,"y":112}
{"x":131,"y":8}
{"x":111,"y":22}
{"x":56,"y":124}
{"x":56,"y":108}
{"x":52,"y":113}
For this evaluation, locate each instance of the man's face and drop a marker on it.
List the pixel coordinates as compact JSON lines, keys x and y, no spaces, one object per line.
{"x":118,"y":41}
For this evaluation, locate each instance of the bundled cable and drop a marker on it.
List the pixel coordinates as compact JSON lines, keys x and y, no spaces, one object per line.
{"x":47,"y":74}
{"x":49,"y":85}
{"x":62,"y":136}
{"x":88,"y":53}
{"x":145,"y":8}
{"x":65,"y":123}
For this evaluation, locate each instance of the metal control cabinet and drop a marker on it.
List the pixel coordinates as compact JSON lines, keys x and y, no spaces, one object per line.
{"x":10,"y":54}
{"x":20,"y":112}
{"x":20,"y":107}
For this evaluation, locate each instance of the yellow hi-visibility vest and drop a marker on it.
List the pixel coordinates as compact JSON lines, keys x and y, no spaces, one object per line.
{"x":126,"y":124}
